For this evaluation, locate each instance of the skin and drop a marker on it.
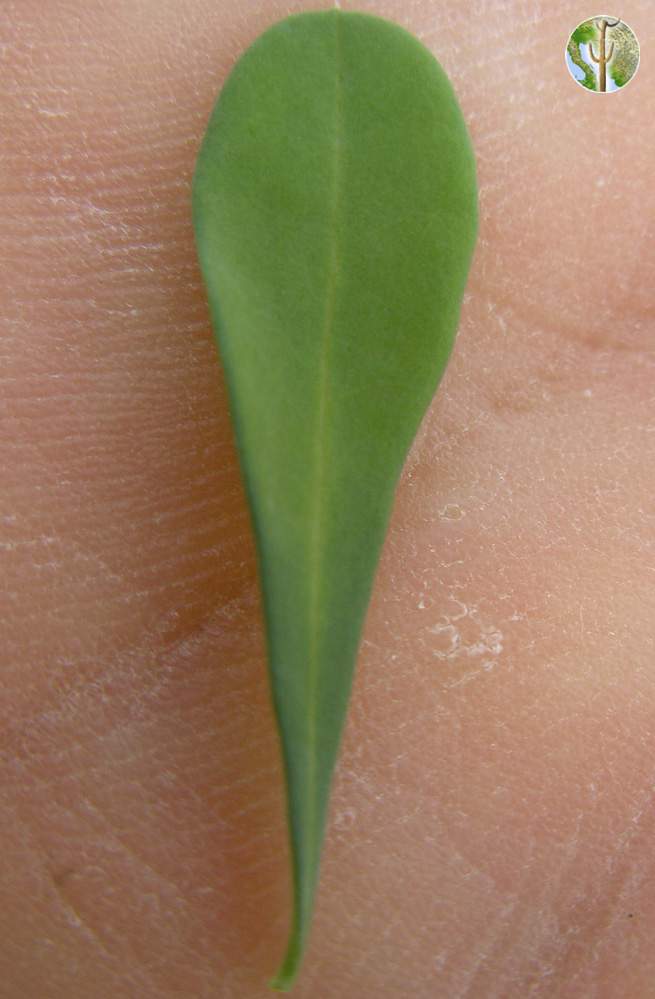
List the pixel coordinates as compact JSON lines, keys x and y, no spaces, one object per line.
{"x":492,"y":817}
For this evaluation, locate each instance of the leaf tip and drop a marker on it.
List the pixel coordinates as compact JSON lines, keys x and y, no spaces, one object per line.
{"x":285,"y":977}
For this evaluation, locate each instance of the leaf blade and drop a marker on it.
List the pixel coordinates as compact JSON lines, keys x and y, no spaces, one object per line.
{"x":335,"y":224}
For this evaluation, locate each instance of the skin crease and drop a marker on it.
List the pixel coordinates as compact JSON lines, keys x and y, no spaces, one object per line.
{"x":492,"y":816}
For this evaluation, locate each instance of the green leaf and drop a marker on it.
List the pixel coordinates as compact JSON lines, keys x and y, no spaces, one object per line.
{"x":335,"y":212}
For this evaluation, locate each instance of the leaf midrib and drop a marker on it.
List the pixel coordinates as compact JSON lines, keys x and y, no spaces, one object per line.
{"x":317,"y":504}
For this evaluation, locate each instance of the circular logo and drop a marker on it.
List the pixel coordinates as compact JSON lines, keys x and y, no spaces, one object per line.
{"x":602,"y":54}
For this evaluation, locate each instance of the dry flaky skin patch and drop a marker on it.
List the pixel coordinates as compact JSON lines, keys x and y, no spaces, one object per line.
{"x":492,"y":827}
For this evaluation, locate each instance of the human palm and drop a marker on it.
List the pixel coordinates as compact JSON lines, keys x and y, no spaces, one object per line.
{"x":491,"y":819}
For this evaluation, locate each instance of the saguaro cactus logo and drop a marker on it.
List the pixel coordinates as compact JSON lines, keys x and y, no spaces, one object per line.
{"x":602,"y":54}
